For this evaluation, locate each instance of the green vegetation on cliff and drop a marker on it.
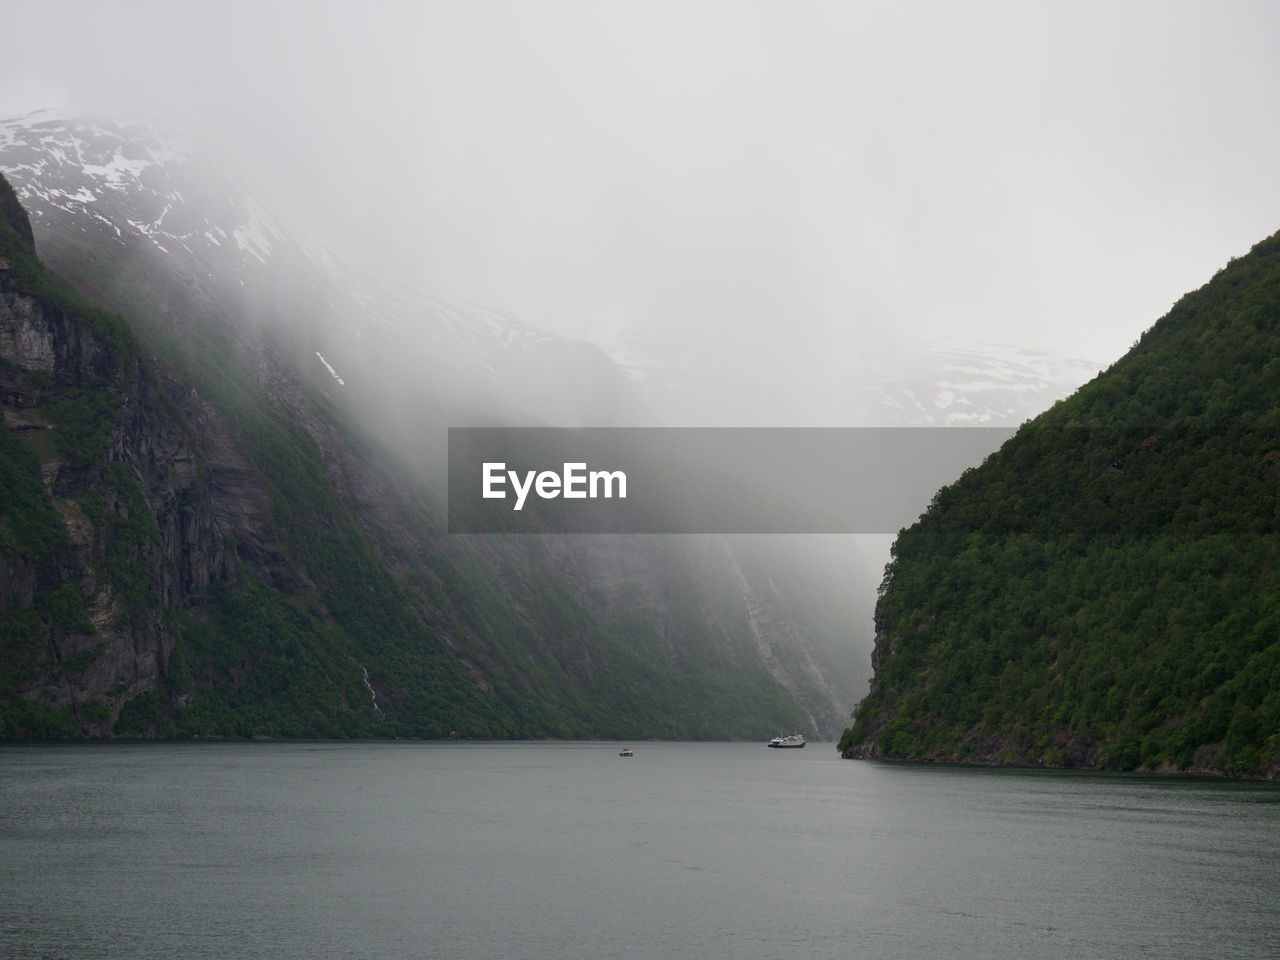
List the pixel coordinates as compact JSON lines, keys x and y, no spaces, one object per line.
{"x":182,"y":552}
{"x":1103,"y":591}
{"x":73,"y":424}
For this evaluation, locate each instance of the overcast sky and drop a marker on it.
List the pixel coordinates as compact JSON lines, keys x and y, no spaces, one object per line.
{"x":1043,"y":174}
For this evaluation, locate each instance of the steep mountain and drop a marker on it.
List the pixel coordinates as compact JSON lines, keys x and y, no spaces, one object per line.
{"x":106,"y":520}
{"x":143,"y":195}
{"x":1102,"y":591}
{"x":327,"y":599}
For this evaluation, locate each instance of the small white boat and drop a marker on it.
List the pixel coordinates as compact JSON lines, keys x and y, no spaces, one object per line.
{"x":625,"y":752}
{"x":795,"y":740}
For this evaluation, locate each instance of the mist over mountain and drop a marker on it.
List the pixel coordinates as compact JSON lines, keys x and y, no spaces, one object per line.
{"x":374,"y":367}
{"x":315,"y":403}
{"x":915,"y":382}
{"x":122,"y":183}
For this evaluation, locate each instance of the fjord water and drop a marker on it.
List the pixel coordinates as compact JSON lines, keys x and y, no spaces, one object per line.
{"x":554,"y":850}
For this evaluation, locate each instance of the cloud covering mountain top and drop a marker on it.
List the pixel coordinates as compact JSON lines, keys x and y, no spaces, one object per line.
{"x":1040,"y":175}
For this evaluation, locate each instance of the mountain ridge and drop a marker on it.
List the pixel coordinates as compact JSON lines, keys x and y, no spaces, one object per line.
{"x":339,"y":540}
{"x":1101,"y":592}
{"x":264,"y":337}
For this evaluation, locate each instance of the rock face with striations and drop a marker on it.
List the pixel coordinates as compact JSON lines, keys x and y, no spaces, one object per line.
{"x":105,"y":517}
{"x":212,"y":531}
{"x":317,"y":395}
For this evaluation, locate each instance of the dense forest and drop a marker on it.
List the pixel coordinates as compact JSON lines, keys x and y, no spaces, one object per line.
{"x":1103,"y":591}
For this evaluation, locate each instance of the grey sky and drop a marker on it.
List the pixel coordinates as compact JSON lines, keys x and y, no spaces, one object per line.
{"x":1041,"y":174}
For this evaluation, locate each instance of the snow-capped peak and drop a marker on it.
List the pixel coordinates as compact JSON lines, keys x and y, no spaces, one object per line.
{"x":130,"y":177}
{"x":129,"y":182}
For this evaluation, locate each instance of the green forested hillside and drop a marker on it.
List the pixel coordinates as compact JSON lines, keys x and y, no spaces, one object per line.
{"x":196,"y":539}
{"x":1103,"y":591}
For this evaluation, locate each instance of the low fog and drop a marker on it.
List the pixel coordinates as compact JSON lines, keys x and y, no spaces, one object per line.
{"x":810,"y":214}
{"x":753,"y":186}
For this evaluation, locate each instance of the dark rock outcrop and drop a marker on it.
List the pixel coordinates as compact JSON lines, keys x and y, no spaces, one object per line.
{"x":121,"y":469}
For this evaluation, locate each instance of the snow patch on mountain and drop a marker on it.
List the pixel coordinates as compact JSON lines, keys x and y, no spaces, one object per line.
{"x":332,"y":372}
{"x":255,"y":235}
{"x":136,"y":177}
{"x":127,"y":180}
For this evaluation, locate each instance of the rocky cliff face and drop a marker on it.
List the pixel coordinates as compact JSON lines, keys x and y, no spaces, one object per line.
{"x":84,"y":591}
{"x":314,"y":403}
{"x":202,"y":537}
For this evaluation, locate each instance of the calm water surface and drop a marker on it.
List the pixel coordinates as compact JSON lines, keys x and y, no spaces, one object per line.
{"x":565,"y":850}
